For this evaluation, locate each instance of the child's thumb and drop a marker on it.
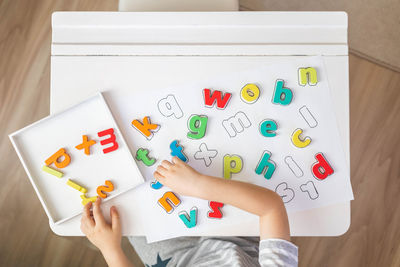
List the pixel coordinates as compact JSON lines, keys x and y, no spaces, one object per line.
{"x":115,"y":219}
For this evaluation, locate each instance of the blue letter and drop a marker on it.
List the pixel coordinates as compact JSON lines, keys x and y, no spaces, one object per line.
{"x":268,"y":128}
{"x":266,"y":163}
{"x":282,"y":96}
{"x":177,"y":150}
{"x":192,"y":221}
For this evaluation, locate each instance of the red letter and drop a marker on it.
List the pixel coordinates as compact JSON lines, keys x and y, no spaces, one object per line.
{"x":215,"y":211}
{"x":321,"y":169}
{"x":210,"y":98}
{"x":110,"y":140}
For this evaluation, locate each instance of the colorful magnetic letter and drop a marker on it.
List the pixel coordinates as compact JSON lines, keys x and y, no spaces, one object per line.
{"x":177,"y":150}
{"x":197,"y":125}
{"x":266,"y":163}
{"x":215,"y":211}
{"x":307,"y":75}
{"x":167,"y":200}
{"x":321,"y":169}
{"x":268,"y":128}
{"x":142,"y":154}
{"x":308,"y":117}
{"x":286,"y":193}
{"x":310,"y":188}
{"x":232,"y":164}
{"x":236,"y":124}
{"x":86,"y":200}
{"x":282,"y":96}
{"x":250,"y":93}
{"x":169,"y":106}
{"x":297,"y":171}
{"x":216,"y":96}
{"x":57,"y":156}
{"x":189,"y":221}
{"x":106,"y":188}
{"x":146,"y":128}
{"x":110,"y":140}
{"x":156,"y":185}
{"x":297,"y":141}
{"x":85,"y":144}
{"x":205,"y":154}
{"x":76,"y":186}
{"x":52,"y":171}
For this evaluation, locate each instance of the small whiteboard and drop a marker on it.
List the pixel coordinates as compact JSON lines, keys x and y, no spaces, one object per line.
{"x":37,"y":142}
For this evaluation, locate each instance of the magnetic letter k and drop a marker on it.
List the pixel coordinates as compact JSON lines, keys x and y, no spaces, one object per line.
{"x":146,"y":128}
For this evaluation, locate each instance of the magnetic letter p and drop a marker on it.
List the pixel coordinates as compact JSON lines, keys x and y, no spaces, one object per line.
{"x":232,"y":164}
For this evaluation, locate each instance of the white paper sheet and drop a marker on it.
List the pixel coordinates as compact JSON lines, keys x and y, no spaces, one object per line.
{"x":249,"y":144}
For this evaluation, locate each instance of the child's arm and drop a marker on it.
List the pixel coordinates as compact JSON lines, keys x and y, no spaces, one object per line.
{"x":107,"y":237}
{"x":263,"y":202}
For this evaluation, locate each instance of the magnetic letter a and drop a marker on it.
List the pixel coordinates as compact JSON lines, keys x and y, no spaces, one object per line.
{"x":55,"y":158}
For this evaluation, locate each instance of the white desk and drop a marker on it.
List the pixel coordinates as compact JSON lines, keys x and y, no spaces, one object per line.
{"x":163,"y":48}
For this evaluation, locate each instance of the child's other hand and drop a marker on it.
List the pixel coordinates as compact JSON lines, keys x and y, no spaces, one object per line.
{"x":178,"y":176}
{"x":107,"y":237}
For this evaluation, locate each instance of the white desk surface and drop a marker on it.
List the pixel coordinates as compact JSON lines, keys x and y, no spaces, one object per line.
{"x":75,"y":75}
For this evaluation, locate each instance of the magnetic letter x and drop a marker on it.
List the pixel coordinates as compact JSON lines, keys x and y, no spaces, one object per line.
{"x":85,"y":144}
{"x":205,"y":154}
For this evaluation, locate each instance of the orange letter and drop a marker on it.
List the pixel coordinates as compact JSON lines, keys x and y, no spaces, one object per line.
{"x":167,"y":199}
{"x":106,"y":188}
{"x":146,"y":128}
{"x":85,"y":144}
{"x":55,"y":159}
{"x":110,"y":140}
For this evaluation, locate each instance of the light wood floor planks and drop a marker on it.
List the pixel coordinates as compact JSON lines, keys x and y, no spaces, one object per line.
{"x":26,"y":239}
{"x":374,"y":234}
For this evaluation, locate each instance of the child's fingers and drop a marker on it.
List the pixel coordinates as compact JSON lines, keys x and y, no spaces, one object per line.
{"x":98,"y":216}
{"x":176,"y":160}
{"x":166,"y":164}
{"x":159,"y":177}
{"x":86,"y":216}
{"x":84,"y":229}
{"x":163,"y":171}
{"x":115,"y":220}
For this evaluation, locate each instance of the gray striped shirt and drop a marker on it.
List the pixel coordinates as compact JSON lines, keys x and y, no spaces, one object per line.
{"x":216,"y":251}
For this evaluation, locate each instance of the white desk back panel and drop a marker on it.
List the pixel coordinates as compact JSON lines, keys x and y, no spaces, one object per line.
{"x":91,"y":51}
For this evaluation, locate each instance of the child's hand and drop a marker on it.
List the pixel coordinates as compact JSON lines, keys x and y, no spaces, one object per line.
{"x":179,"y":176}
{"x":103,"y":235}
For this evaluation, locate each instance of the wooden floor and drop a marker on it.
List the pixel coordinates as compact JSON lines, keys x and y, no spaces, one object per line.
{"x":26,"y":239}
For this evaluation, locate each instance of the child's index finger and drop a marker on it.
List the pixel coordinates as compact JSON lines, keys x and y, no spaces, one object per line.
{"x":176,"y":160}
{"x":86,"y":209}
{"x":86,"y":216}
{"x":98,"y":216}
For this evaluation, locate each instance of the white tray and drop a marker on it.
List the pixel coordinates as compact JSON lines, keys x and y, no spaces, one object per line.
{"x":38,"y":141}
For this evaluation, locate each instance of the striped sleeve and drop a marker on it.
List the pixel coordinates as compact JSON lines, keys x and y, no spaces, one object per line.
{"x":277,"y":252}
